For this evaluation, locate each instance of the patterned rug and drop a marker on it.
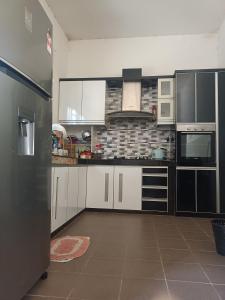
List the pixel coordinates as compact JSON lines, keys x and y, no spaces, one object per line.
{"x":69,"y":247}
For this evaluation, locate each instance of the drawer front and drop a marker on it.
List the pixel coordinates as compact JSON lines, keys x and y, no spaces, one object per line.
{"x":154,"y":181}
{"x":154,"y":205}
{"x":154,"y":193}
{"x":154,"y":170}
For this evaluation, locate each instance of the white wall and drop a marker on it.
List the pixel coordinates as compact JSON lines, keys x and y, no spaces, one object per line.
{"x":221,"y":46}
{"x":155,"y":55}
{"x":60,"y":51}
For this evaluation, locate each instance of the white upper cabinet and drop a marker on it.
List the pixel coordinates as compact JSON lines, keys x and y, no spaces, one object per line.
{"x":166,"y":111}
{"x":93,"y":102}
{"x":70,"y":99}
{"x":166,"y":101}
{"x":165,"y":88}
{"x":82,"y":102}
{"x":127,"y":188}
{"x":100,"y":187}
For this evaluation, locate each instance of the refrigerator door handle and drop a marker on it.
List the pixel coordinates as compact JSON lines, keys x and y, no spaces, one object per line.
{"x":56,"y":200}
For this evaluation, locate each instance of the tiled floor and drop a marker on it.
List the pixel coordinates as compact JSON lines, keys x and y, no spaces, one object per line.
{"x":138,"y":257}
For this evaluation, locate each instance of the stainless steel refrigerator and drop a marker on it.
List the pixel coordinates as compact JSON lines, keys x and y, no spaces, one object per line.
{"x":25,"y":145}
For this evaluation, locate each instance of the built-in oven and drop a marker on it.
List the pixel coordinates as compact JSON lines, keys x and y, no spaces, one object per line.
{"x":196,"y":145}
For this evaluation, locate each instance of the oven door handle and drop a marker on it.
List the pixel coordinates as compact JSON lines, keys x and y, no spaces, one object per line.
{"x":192,"y":132}
{"x":196,"y":168}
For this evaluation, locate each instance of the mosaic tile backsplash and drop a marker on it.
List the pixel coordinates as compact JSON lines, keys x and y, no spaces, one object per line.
{"x":133,"y":137}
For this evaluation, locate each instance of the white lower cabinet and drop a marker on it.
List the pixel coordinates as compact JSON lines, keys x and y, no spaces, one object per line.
{"x":127,"y":188}
{"x":72,"y":201}
{"x":59,"y":197}
{"x":100,"y":187}
{"x":68,"y":194}
{"x":114,"y":187}
{"x":82,"y":190}
{"x":108,"y":187}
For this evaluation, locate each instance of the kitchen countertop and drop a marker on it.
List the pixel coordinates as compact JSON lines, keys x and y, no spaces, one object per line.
{"x":119,"y":162}
{"x":126,"y":162}
{"x":65,"y":165}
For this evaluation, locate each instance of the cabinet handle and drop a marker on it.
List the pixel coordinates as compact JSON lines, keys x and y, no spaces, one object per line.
{"x":106,"y":187}
{"x":56,"y":200}
{"x":120,"y":187}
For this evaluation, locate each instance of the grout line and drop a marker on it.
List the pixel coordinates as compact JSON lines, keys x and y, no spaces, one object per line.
{"x":201,"y":267}
{"x":120,"y":289}
{"x":186,"y":281}
{"x":46,"y":297}
{"x":70,"y":293}
{"x":203,"y":229}
{"x":161,"y":261}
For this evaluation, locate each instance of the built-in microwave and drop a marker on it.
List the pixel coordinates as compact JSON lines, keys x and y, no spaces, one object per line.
{"x":196,"y":144}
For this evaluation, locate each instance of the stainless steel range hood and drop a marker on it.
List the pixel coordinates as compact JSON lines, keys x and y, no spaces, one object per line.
{"x":131,"y":97}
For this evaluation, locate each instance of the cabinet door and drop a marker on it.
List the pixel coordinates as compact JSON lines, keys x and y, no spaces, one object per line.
{"x":221,"y":137}
{"x":165,"y":111}
{"x":205,"y":97}
{"x":60,"y":193}
{"x":70,"y":98}
{"x":52,"y":201}
{"x":165,"y":88}
{"x":185,"y":97}
{"x":93,"y":102}
{"x":72,"y":205}
{"x":186,"y":196}
{"x":100,"y":187}
{"x":82,"y":191}
{"x":127,"y":188}
{"x":206,"y":191}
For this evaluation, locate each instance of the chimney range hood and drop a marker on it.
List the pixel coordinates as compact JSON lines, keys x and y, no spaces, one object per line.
{"x":131,"y":97}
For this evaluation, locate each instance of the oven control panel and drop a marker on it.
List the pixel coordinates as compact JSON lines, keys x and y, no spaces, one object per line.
{"x":196,"y":127}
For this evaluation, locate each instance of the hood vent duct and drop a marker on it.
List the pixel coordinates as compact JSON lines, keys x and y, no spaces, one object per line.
{"x":131,"y":96}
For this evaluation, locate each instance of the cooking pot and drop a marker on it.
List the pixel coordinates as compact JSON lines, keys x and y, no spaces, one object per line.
{"x":158,"y":153}
{"x":86,"y":135}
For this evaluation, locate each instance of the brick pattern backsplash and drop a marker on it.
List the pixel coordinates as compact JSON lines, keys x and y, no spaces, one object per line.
{"x":133,"y":137}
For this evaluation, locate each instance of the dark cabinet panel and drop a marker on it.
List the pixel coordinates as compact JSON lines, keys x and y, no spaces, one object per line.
{"x":154,"y":206}
{"x":186,"y":190}
{"x":185,"y":97}
{"x":147,"y":180}
{"x":205,"y":97}
{"x":206,"y":191}
{"x":221,"y":116}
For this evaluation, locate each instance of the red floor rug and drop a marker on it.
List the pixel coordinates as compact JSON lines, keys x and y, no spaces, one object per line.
{"x":69,"y":247}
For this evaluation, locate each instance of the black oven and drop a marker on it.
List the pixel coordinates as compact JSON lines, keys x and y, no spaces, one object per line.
{"x":196,"y":145}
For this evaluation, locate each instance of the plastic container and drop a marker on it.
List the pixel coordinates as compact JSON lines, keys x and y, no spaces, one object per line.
{"x":218,"y":226}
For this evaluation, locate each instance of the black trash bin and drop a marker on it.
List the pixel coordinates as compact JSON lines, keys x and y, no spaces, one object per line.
{"x":218,"y":226}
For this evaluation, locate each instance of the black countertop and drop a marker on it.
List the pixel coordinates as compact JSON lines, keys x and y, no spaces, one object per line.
{"x":127,"y":162}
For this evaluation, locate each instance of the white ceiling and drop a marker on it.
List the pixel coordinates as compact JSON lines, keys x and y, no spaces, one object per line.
{"x":94,"y":19}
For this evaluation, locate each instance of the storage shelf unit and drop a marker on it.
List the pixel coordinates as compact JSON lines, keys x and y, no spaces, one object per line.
{"x":155,"y":188}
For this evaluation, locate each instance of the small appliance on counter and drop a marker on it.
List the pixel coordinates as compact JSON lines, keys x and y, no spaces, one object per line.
{"x":87,"y":154}
{"x":159,"y":153}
